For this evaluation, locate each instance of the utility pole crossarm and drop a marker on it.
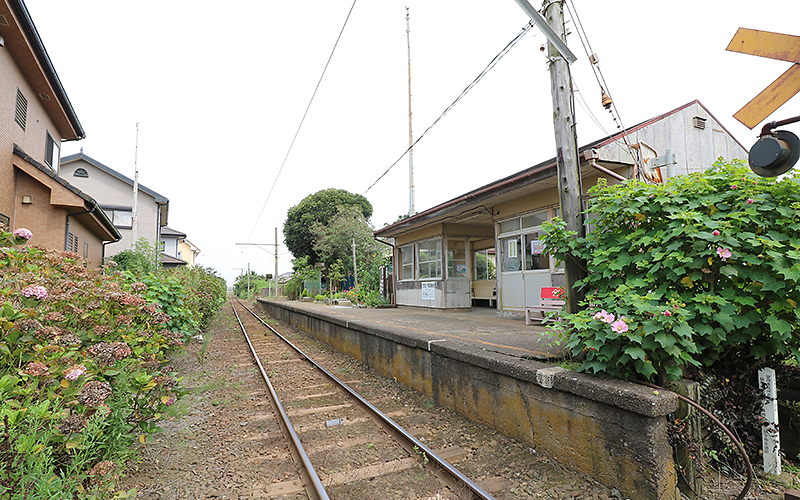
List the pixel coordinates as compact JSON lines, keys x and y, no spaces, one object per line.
{"x":548,"y":31}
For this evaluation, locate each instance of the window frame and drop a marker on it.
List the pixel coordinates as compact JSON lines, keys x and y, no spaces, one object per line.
{"x":401,"y":251}
{"x":436,"y":261}
{"x":52,"y":152}
{"x":455,"y":261}
{"x":521,"y":237}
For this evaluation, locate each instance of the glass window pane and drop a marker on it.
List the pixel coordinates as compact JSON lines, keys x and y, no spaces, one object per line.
{"x":534,"y":220}
{"x":485,"y":265}
{"x":122,"y":218}
{"x":534,"y":258}
{"x":510,"y":257}
{"x":456,"y":258}
{"x":509,"y":225}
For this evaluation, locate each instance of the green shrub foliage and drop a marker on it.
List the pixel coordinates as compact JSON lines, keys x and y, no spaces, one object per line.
{"x":82,"y":366}
{"x":701,"y":270}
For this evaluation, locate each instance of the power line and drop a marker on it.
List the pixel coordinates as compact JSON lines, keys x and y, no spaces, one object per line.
{"x":302,"y":120}
{"x":474,"y":82}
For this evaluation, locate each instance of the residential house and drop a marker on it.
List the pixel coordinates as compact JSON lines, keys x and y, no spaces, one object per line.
{"x":171,"y":241}
{"x":36,"y":116}
{"x":484,"y":246}
{"x":114,"y":192}
{"x":189,"y":252}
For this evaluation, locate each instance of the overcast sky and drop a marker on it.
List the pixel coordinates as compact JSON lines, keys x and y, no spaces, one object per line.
{"x":219,"y":88}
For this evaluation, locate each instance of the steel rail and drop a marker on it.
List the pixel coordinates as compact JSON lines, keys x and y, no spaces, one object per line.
{"x":438,"y":465}
{"x":313,"y":484}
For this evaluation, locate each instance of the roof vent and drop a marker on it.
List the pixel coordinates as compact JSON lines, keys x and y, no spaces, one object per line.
{"x":3,"y":21}
{"x":699,"y":122}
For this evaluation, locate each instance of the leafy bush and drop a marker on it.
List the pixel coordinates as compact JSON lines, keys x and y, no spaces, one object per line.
{"x":81,"y":371}
{"x":141,"y":260}
{"x":701,"y":270}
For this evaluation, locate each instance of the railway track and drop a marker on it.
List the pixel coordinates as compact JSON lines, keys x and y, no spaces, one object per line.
{"x":341,"y":444}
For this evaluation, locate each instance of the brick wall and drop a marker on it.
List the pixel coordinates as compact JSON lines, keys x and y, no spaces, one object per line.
{"x":32,"y":140}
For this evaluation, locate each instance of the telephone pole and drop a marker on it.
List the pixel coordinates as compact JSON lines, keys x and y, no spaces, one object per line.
{"x":569,"y":168}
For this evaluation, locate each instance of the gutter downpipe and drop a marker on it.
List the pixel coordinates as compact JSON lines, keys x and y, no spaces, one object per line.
{"x":394,"y":277}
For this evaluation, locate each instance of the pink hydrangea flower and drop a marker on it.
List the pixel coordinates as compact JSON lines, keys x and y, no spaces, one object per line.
{"x":23,"y":233}
{"x":667,"y":313}
{"x":74,"y":372}
{"x":619,"y":326}
{"x":724,"y":253}
{"x":36,"y":291}
{"x":750,"y":200}
{"x":715,"y":232}
{"x":734,"y":186}
{"x":604,"y":316}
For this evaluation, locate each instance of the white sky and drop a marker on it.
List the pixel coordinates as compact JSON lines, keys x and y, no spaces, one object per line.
{"x":219,"y":89}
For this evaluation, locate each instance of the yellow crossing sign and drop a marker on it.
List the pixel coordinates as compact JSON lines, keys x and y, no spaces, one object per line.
{"x":774,"y":46}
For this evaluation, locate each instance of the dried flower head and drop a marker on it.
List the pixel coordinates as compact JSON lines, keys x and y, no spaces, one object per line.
{"x":72,"y":423}
{"x":94,"y":393}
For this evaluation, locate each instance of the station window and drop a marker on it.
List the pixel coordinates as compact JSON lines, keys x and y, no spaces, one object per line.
{"x":485,"y":264}
{"x":406,"y":259}
{"x":510,"y":258}
{"x":521,"y":248}
{"x":430,"y":258}
{"x":456,"y":258}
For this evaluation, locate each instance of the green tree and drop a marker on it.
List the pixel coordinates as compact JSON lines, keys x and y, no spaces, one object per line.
{"x":140,"y":260}
{"x":318,"y":208}
{"x":251,"y":282}
{"x":334,"y":241}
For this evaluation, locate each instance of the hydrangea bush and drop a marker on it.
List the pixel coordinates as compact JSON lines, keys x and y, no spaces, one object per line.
{"x":701,"y":270}
{"x":82,"y":367}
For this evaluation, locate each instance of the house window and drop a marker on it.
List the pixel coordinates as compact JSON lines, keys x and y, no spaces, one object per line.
{"x":85,"y":249}
{"x":21,"y":114}
{"x":51,"y":152}
{"x":456,"y":258}
{"x":81,"y":172}
{"x":510,"y":258}
{"x":430,"y":258}
{"x":121,"y":218}
{"x":406,"y":262}
{"x":485,"y":267}
{"x":5,"y":222}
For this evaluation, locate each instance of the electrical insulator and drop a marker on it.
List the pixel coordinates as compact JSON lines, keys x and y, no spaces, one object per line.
{"x":607,"y":102}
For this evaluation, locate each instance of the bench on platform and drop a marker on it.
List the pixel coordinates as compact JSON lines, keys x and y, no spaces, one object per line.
{"x":551,"y":299}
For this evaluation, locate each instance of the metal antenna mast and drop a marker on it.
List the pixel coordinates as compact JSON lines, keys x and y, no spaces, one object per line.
{"x":411,"y":209}
{"x":135,"y":222}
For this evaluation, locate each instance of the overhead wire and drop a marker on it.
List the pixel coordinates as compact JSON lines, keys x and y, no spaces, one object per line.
{"x":297,"y":132}
{"x":469,"y":87}
{"x":598,"y":73}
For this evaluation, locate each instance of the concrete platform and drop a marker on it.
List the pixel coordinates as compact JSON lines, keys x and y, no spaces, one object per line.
{"x":479,"y":326}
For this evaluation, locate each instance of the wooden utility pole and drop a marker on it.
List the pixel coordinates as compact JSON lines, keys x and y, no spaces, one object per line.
{"x":569,"y":171}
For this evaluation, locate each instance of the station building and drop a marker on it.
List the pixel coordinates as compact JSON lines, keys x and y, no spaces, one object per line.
{"x":483,"y":248}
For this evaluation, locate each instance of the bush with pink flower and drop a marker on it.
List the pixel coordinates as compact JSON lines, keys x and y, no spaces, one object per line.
{"x":702,"y":270}
{"x":82,"y":364}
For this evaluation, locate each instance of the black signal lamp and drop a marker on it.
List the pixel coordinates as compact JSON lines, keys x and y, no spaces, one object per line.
{"x":775,"y":152}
